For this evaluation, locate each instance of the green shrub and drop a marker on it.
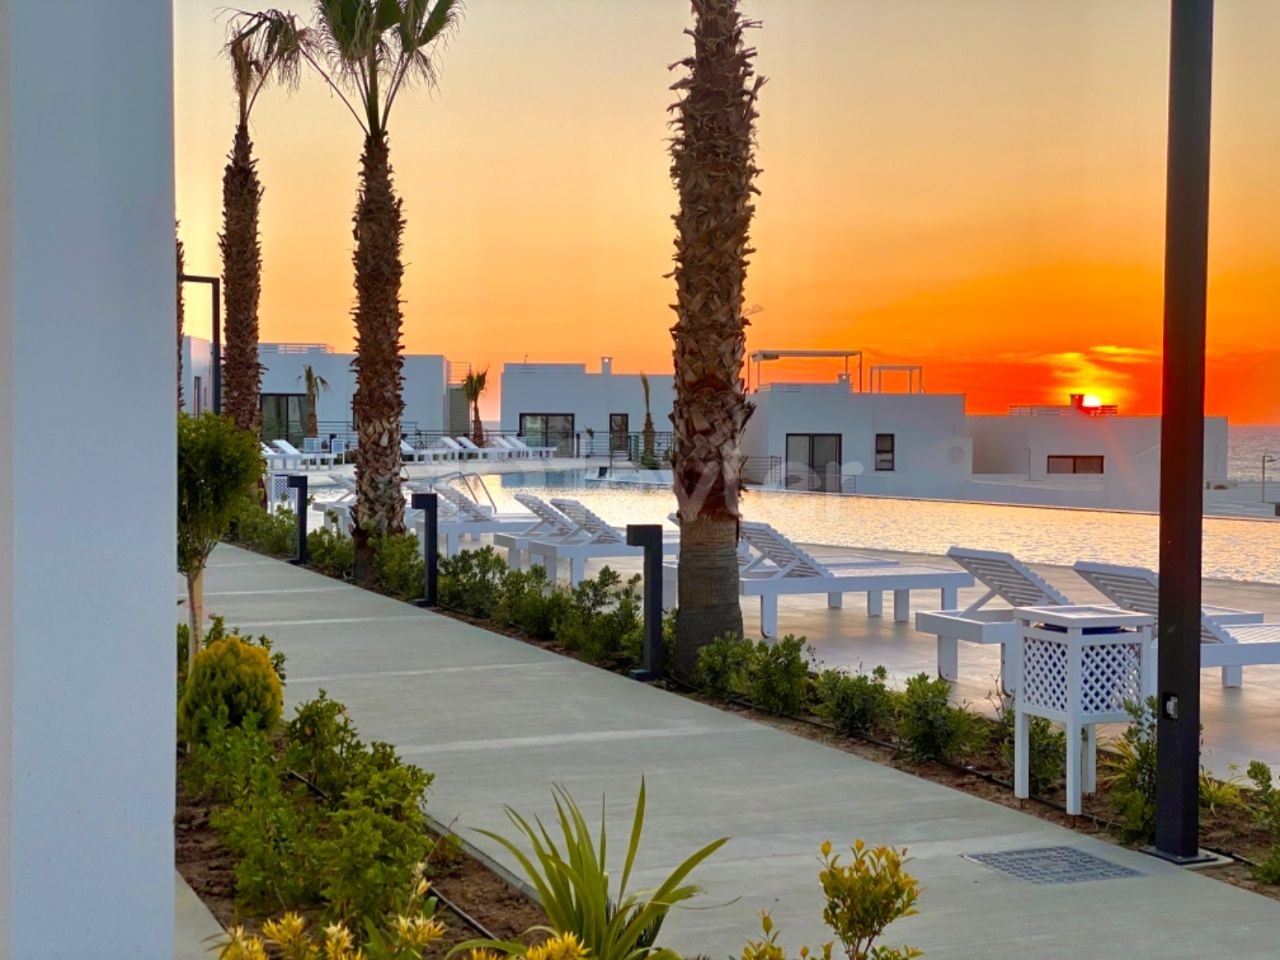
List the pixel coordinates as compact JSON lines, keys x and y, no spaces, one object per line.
{"x":575,"y":887}
{"x":471,"y":582}
{"x":723,"y":667}
{"x":530,"y":604}
{"x":930,"y":728}
{"x":219,"y":767}
{"x":778,"y":679}
{"x":857,"y":705}
{"x":1047,"y":751}
{"x":234,"y":675}
{"x":332,"y":552}
{"x":273,"y":532}
{"x":603,"y":619}
{"x":1131,"y":773}
{"x":398,"y":567}
{"x":1267,"y":811}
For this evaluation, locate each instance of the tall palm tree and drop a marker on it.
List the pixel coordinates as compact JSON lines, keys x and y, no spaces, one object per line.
{"x":314,"y":384}
{"x":649,"y":436}
{"x":473,"y":385}
{"x":262,"y":47}
{"x":713,"y":167}
{"x":181,"y":262}
{"x":368,"y":51}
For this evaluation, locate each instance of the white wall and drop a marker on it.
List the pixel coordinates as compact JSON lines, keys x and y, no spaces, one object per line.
{"x":86,"y":595}
{"x":197,"y":356}
{"x":424,"y":383}
{"x":932,"y":454}
{"x":590,"y":397}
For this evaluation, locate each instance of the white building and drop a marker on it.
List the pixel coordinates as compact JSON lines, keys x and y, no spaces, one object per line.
{"x":427,"y":392}
{"x":564,"y":404}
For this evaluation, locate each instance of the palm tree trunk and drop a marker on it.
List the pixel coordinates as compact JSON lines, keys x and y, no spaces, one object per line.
{"x":181,"y":261}
{"x":379,"y":399}
{"x":713,"y":167}
{"x":477,"y":426}
{"x":241,"y":283}
{"x":311,"y":423}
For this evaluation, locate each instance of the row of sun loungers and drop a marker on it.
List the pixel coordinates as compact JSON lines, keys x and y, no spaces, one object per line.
{"x":464,"y":448}
{"x":1230,"y":638}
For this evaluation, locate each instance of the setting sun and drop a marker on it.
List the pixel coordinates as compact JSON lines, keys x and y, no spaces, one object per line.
{"x":1091,"y":400}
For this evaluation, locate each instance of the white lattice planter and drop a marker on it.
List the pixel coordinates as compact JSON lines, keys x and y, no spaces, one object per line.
{"x":1077,"y":665}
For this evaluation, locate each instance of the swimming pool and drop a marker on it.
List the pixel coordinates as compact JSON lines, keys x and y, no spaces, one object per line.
{"x":1234,"y":549}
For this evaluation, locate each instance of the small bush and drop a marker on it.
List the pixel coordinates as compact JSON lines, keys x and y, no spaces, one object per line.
{"x":779,"y":676}
{"x":722,"y":667}
{"x":857,"y":705}
{"x":1267,"y":812}
{"x":930,"y":728}
{"x":530,"y":604}
{"x":332,"y":552}
{"x":234,"y":675}
{"x":398,"y":567}
{"x":1131,"y":772}
{"x":472,"y":582}
{"x":219,"y":768}
{"x":273,"y":532}
{"x":603,"y":620}
{"x":1047,"y":748}
{"x":865,"y":896}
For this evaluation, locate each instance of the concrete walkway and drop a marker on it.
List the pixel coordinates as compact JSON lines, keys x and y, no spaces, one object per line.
{"x":499,"y":721}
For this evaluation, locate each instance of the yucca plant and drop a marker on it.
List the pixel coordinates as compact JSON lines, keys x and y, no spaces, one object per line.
{"x":573,"y":885}
{"x":714,"y":169}
{"x":262,"y":48}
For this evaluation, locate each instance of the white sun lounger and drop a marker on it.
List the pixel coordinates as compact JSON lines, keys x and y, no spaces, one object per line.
{"x":540,"y":452}
{"x":414,"y":454}
{"x":551,"y":526}
{"x":502,"y":443}
{"x":278,"y":459}
{"x":1006,"y":578}
{"x":292,"y":453}
{"x":470,"y":519}
{"x":591,"y":538}
{"x":789,"y":570}
{"x":1138,"y":589}
{"x":484,"y":453}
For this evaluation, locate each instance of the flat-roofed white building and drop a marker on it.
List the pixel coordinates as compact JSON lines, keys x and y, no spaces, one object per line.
{"x":566,"y":405}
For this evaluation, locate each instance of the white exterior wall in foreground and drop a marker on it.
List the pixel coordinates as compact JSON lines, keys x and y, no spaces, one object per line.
{"x":86,"y":595}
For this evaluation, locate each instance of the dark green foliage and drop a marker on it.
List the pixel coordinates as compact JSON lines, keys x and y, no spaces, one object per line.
{"x":272,"y":532}
{"x":778,"y":681}
{"x":1132,"y":773}
{"x":471,"y":582}
{"x":1047,"y":749}
{"x":234,"y":676}
{"x":398,"y":566}
{"x":857,"y":705}
{"x":723,"y":667}
{"x":332,"y":553}
{"x":217,"y":466}
{"x":322,"y":821}
{"x":1267,"y":811}
{"x":530,"y":604}
{"x":603,"y":621}
{"x":930,"y":728}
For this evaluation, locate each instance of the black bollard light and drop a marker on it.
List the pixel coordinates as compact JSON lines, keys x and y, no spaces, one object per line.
{"x":299,"y":482}
{"x":649,"y":536}
{"x":429,"y":504}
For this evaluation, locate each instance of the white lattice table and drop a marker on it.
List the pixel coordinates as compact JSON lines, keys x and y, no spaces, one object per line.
{"x":1077,"y":665}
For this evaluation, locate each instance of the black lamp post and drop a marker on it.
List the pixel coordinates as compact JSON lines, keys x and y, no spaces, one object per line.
{"x":216,"y":362}
{"x":1182,"y":430}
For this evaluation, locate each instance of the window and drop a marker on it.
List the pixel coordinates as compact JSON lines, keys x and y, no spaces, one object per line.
{"x":282,"y":416}
{"x":198,"y":400}
{"x":548,"y":430}
{"x":813,"y":461}
{"x":885,"y":451}
{"x":619,"y":428}
{"x":1060,"y":464}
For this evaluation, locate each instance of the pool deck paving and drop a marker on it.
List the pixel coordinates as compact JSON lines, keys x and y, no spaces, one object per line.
{"x":499,"y":722}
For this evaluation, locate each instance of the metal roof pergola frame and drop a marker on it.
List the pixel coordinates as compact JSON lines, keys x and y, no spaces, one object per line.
{"x":761,"y":356}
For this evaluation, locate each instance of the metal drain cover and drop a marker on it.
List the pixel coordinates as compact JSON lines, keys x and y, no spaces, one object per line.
{"x":1052,"y":865}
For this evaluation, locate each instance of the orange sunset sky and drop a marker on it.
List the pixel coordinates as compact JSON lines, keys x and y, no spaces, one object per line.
{"x":973,"y":185}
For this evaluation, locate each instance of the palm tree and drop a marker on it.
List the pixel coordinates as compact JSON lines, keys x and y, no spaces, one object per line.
{"x":713,"y":167}
{"x":649,"y":435}
{"x":472,"y":387}
{"x":315,"y":385}
{"x":262,"y":47}
{"x":181,"y":260}
{"x":368,"y":51}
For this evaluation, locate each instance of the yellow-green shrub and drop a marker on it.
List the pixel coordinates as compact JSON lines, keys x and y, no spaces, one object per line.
{"x":232,"y":675}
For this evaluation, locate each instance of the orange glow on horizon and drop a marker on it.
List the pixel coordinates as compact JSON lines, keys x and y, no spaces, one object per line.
{"x":977,"y":188}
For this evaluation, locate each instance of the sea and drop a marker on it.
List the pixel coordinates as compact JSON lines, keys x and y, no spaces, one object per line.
{"x":1246,"y":446}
